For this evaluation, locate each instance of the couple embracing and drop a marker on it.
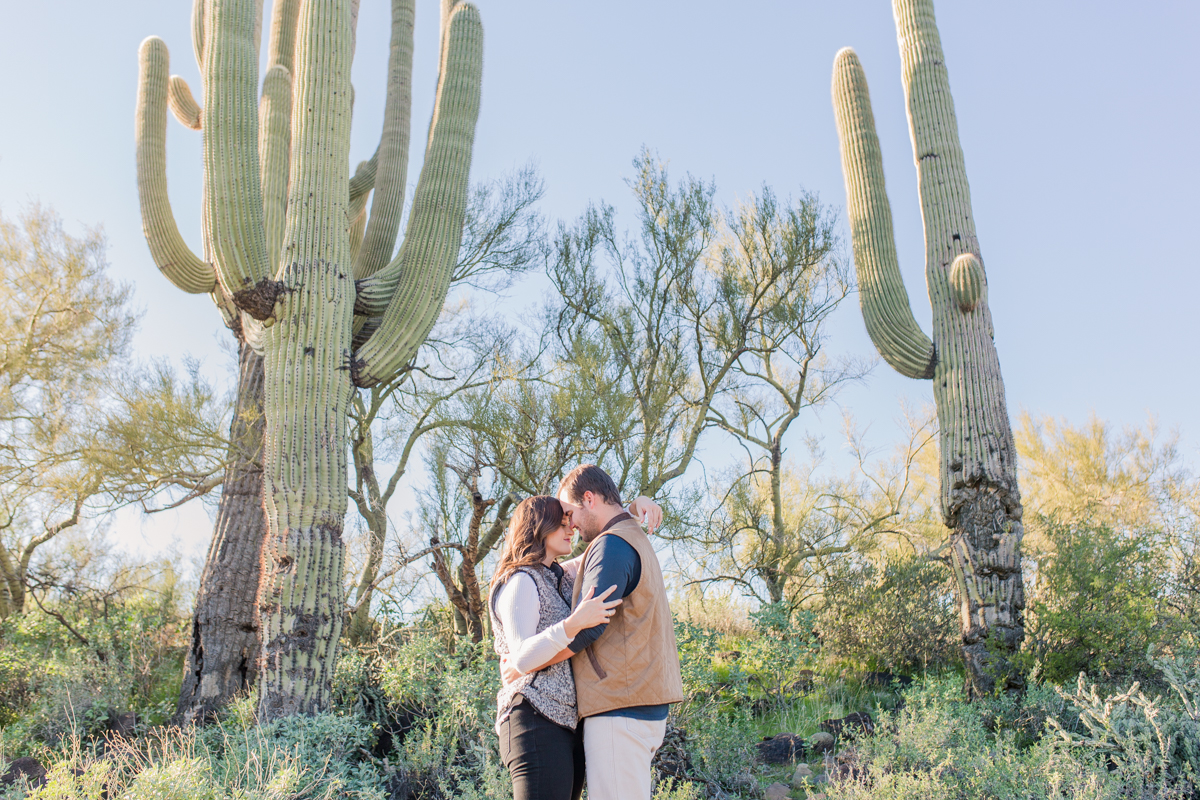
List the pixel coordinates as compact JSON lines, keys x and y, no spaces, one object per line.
{"x":587,"y":646}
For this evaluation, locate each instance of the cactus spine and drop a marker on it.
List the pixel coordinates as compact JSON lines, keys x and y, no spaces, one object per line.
{"x":981,"y":503}
{"x":279,"y":212}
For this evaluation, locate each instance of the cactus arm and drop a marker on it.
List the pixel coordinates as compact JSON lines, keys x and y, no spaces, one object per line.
{"x":198,"y":11}
{"x":358,"y":224}
{"x":387,"y":204}
{"x":233,"y":203}
{"x":183,"y":105}
{"x":360,"y":189}
{"x":363,"y":180}
{"x":884,"y":300}
{"x":280,"y":50}
{"x":274,"y":149}
{"x":308,"y":392}
{"x":430,"y":249}
{"x":170,"y":253}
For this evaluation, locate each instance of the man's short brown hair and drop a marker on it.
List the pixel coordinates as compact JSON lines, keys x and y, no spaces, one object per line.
{"x":590,"y":478}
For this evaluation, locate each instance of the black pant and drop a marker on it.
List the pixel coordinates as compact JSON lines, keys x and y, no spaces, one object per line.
{"x":544,"y":758}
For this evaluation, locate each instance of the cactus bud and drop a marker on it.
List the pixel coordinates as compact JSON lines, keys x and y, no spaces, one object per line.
{"x":966,"y":281}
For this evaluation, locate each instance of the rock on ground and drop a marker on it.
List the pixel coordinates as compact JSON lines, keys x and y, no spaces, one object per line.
{"x":781,"y":749}
{"x":777,"y":791}
{"x":27,"y":768}
{"x":821,"y":742}
{"x":849,"y":725}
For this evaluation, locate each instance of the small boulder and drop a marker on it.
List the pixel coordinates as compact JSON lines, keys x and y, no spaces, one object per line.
{"x":849,"y":726}
{"x":123,"y":725}
{"x":804,"y":682}
{"x":777,"y":791}
{"x":780,"y":749}
{"x":802,"y":776}
{"x":28,"y":768}
{"x":887,"y":680}
{"x":821,"y":742}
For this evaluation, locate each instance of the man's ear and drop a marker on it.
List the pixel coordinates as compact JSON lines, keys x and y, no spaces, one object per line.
{"x":587,"y":500}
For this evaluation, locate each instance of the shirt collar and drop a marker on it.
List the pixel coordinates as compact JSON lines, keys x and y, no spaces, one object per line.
{"x":624,"y":515}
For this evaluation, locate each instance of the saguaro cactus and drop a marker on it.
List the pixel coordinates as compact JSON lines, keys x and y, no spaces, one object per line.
{"x":981,"y":504}
{"x":298,"y":266}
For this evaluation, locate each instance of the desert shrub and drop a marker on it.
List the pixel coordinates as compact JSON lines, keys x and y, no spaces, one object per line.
{"x":719,"y":746}
{"x":899,"y":616}
{"x":446,"y":745}
{"x":1094,"y":604}
{"x":672,"y":789}
{"x":321,"y":757}
{"x":80,"y":655}
{"x":1153,"y":742}
{"x":938,"y":746}
{"x":783,"y":645}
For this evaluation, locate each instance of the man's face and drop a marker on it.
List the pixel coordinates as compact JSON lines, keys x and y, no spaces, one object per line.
{"x":582,"y":515}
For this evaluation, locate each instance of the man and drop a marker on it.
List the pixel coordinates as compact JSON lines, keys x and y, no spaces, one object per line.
{"x":627,"y":671}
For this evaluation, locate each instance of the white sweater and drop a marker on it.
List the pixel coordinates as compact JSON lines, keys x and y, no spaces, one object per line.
{"x":518,"y":608}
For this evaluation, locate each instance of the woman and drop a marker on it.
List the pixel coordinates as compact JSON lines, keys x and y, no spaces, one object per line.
{"x":533,"y":623}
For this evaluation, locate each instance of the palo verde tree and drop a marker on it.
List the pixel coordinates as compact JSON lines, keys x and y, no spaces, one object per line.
{"x":654,"y":325}
{"x":980,"y":500}
{"x":283,"y":257}
{"x":64,"y":327}
{"x":786,"y":253}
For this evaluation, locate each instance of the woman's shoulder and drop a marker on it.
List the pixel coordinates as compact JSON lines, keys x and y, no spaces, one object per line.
{"x":519,"y":581}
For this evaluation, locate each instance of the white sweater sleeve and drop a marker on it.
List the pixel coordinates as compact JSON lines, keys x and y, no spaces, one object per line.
{"x":518,"y":607}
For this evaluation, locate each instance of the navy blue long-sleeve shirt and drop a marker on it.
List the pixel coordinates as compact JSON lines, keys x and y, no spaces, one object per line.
{"x":613,"y":562}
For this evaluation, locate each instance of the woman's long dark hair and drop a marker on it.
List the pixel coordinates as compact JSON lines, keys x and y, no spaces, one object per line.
{"x":534,"y":519}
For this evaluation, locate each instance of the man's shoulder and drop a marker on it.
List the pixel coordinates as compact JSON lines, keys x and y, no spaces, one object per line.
{"x":610,"y":543}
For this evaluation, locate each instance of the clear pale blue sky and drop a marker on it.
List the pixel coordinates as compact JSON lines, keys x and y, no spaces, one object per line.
{"x":1078,"y":120}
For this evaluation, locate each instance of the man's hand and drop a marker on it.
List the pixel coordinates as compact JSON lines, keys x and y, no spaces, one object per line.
{"x":647,"y":512}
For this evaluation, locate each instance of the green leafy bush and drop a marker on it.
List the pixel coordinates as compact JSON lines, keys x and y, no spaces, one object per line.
{"x":59,"y":682}
{"x":899,"y":616}
{"x":1094,"y":604}
{"x":446,"y":746}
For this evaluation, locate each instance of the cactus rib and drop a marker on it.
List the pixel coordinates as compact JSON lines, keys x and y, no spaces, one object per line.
{"x":171,"y":254}
{"x":281,"y":48}
{"x":308,"y":388}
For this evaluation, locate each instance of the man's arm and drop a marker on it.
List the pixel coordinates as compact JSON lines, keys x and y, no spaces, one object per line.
{"x":611,"y":561}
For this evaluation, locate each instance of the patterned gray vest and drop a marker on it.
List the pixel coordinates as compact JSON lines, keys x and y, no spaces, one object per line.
{"x":551,"y":691}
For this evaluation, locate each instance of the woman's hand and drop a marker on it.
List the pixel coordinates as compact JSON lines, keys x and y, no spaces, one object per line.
{"x":647,"y":512}
{"x":591,"y":611}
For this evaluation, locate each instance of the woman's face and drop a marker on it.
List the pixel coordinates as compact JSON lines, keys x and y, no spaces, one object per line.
{"x":558,"y":541}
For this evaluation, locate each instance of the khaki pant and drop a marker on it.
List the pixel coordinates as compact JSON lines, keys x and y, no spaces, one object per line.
{"x":619,"y":751}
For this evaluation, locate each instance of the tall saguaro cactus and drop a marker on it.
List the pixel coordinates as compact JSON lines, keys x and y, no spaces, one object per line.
{"x":297,"y":264}
{"x":981,"y":504}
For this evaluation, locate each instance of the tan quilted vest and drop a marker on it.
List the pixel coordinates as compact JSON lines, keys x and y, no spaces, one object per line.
{"x":636,"y":661}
